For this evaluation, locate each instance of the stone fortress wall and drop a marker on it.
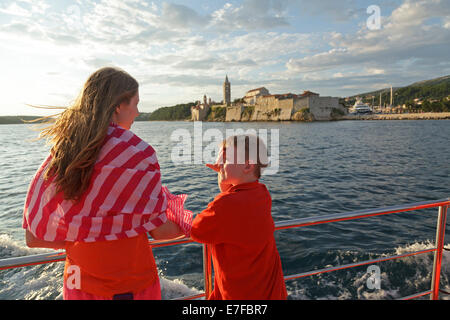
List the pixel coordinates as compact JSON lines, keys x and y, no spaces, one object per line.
{"x":259,"y":105}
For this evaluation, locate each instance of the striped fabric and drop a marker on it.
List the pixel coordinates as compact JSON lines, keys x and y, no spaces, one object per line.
{"x":125,"y":197}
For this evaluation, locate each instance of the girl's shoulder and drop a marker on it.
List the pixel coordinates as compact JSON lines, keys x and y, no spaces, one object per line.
{"x":121,"y":144}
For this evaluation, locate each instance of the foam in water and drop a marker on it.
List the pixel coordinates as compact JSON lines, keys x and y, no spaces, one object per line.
{"x":398,"y":278}
{"x":11,"y":248}
{"x":418,"y":269}
{"x":171,"y":289}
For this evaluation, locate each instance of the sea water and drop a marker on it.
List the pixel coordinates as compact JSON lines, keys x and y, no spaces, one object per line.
{"x":324,"y":168}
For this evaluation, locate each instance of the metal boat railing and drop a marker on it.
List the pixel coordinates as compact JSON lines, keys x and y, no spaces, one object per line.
{"x":443,"y":205}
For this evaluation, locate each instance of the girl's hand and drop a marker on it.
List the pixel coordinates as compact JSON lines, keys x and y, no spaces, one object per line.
{"x":33,"y":242}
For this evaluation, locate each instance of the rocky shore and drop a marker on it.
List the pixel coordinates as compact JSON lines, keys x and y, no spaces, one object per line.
{"x":400,"y":116}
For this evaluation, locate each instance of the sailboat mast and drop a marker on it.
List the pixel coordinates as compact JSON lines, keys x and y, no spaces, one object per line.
{"x":391,"y":97}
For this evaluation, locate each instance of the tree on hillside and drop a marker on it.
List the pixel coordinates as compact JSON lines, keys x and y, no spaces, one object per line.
{"x":178,"y":112}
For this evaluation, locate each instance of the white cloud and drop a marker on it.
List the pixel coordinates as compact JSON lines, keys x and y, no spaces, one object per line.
{"x":375,"y":71}
{"x":447,"y":23}
{"x":251,"y":15}
{"x":341,"y":10}
{"x":181,"y":17}
{"x":15,"y":10}
{"x":404,"y":35}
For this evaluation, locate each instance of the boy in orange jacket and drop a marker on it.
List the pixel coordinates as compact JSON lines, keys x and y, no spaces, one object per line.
{"x":239,"y":227}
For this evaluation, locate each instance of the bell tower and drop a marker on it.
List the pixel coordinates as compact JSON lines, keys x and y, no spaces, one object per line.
{"x":226,"y":92}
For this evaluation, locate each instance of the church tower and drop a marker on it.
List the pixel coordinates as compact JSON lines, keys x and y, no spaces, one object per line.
{"x":226,"y":92}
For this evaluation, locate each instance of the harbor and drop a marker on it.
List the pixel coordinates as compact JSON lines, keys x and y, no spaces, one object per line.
{"x":398,"y":116}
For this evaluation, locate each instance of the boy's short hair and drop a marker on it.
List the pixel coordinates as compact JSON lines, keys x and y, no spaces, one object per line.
{"x":255,"y":150}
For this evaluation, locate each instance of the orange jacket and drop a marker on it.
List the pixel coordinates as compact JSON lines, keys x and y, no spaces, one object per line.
{"x":239,"y":226}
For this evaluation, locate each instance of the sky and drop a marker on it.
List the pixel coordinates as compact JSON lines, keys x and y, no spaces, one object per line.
{"x":179,"y":51}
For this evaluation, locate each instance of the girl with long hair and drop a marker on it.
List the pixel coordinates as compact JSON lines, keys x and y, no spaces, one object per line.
{"x":99,"y":192}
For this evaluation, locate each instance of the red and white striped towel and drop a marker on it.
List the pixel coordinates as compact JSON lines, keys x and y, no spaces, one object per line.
{"x":125,"y":197}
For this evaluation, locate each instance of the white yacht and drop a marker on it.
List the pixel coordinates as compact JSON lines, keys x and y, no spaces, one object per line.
{"x":360,"y":107}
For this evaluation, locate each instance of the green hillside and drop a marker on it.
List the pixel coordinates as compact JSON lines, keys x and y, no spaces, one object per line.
{"x":178,"y":112}
{"x":16,"y":119}
{"x":143,"y":116}
{"x":432,"y":90}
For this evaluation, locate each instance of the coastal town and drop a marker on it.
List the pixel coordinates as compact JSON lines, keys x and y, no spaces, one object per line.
{"x":260,"y":105}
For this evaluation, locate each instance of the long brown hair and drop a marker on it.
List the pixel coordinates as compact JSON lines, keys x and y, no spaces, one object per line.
{"x":78,"y":134}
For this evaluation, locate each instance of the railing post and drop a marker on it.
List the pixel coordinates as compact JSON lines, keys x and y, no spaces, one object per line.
{"x":440,"y":235}
{"x":207,"y":270}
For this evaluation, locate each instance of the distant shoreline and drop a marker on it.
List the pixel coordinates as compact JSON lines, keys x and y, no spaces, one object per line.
{"x":21,"y":119}
{"x":399,"y":116}
{"x":17,"y":119}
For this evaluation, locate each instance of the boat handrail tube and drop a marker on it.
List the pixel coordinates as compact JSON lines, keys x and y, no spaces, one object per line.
{"x":416,"y":295}
{"x":440,"y":235}
{"x":321,"y":219}
{"x":207,"y":269}
{"x":356,"y":264}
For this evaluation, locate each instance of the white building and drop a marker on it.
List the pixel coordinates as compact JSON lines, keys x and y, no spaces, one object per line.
{"x":250,"y":96}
